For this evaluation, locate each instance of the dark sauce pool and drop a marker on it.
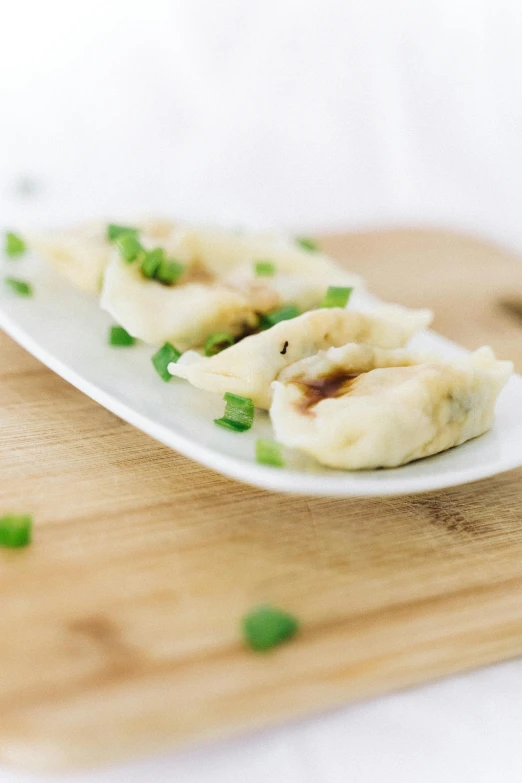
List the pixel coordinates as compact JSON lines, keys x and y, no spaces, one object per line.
{"x":336,"y":384}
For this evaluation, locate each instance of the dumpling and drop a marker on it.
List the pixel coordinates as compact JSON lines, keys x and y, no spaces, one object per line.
{"x":184,"y":314}
{"x":80,"y":254}
{"x":220,"y":290}
{"x":300,"y":277}
{"x":225,"y":251}
{"x":358,"y":407}
{"x":249,"y":367}
{"x":229,"y":296}
{"x":357,"y":357}
{"x":305,"y":288}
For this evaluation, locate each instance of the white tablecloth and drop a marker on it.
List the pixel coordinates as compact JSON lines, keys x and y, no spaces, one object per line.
{"x":304,"y":115}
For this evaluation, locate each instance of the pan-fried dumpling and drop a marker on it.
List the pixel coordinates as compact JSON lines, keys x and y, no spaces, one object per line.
{"x":356,"y":407}
{"x":249,"y":367}
{"x":184,"y":314}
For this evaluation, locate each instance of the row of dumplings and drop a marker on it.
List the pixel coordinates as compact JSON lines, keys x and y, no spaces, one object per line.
{"x":339,"y":384}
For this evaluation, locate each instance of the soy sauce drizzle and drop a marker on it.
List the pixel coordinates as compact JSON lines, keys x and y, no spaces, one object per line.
{"x":336,"y":384}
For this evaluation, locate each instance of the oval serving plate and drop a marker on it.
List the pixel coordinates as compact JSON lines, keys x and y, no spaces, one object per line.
{"x":65,"y":330}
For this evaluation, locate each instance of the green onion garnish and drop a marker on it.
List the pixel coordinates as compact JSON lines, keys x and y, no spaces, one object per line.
{"x":307,"y":244}
{"x":218,"y":342}
{"x":14,"y":245}
{"x":15,"y":530}
{"x":267,"y":627}
{"x":152,"y":261}
{"x":264,"y":268}
{"x":284,"y":313}
{"x":130,"y":247}
{"x":114,"y":231}
{"x":162,"y":358}
{"x":239,"y":413}
{"x":120,"y":336}
{"x":20,"y":287}
{"x":336,"y":297}
{"x":268,"y":452}
{"x":169,"y":272}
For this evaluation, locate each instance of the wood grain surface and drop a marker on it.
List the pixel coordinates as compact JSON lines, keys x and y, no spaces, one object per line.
{"x":119,"y":625}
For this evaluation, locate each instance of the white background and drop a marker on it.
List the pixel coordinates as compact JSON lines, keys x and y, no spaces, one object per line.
{"x":303,"y":115}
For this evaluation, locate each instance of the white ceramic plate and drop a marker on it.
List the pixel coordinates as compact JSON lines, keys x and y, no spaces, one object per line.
{"x":67,"y":331}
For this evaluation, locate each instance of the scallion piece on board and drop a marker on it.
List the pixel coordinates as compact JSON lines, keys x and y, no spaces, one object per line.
{"x":162,"y":358}
{"x":267,"y":627}
{"x":336,"y":297}
{"x":217,"y":342}
{"x":239,"y":413}
{"x":15,"y":530}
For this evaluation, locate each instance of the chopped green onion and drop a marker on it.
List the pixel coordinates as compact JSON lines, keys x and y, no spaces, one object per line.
{"x":267,"y":627}
{"x":14,"y":245}
{"x":239,"y":413}
{"x":20,"y":287}
{"x":265,"y":268}
{"x":120,"y":336}
{"x":336,"y":297}
{"x":130,"y":247}
{"x":169,"y":272}
{"x":217,"y":342}
{"x":162,"y":358}
{"x":268,"y":452}
{"x":114,"y":231}
{"x":15,"y":530}
{"x":307,"y":244}
{"x":284,"y":313}
{"x":152,"y":261}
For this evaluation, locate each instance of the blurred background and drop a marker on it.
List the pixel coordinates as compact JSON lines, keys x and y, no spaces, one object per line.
{"x":305,"y":115}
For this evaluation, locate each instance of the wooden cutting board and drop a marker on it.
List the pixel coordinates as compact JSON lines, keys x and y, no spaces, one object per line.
{"x":119,"y":626}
